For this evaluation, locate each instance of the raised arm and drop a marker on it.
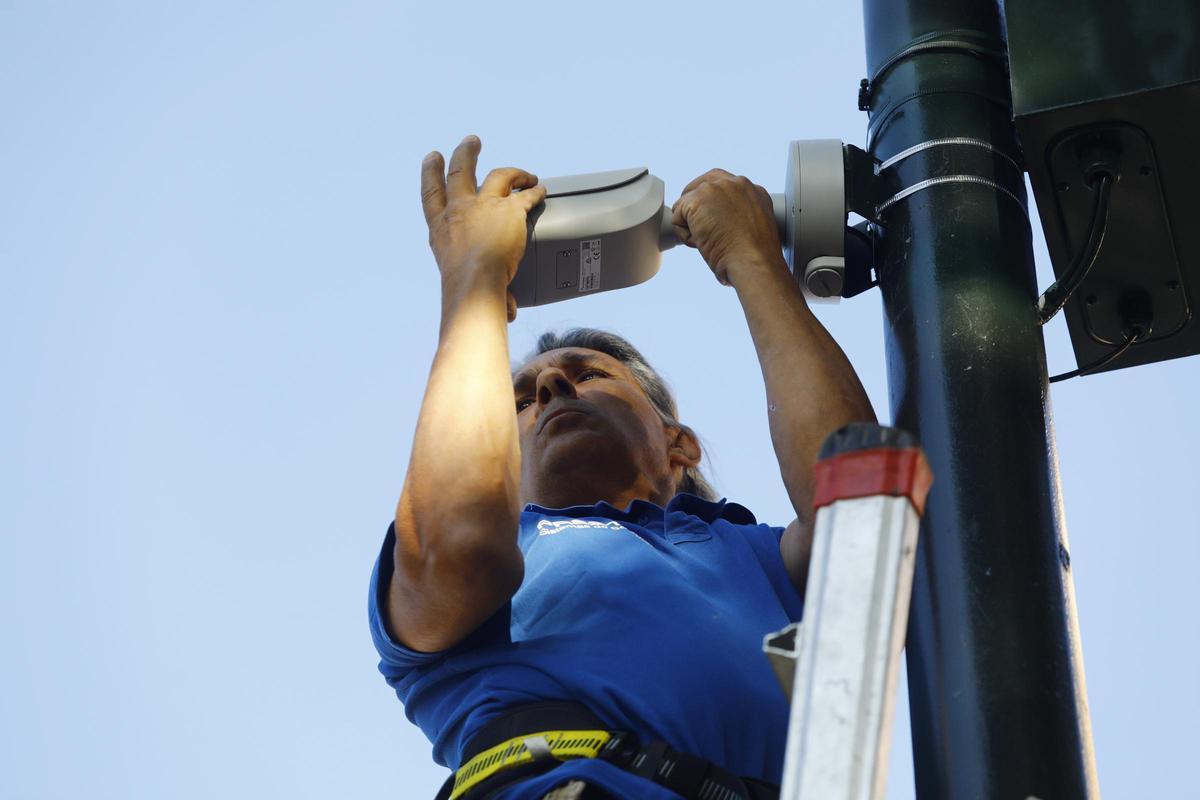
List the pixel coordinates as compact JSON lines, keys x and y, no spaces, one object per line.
{"x":456,"y":555}
{"x":811,"y":388}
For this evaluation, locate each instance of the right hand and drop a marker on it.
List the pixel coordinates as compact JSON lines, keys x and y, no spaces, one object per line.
{"x":477,"y":229}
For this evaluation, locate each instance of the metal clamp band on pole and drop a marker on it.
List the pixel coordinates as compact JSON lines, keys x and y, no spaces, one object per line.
{"x":956,"y":40}
{"x":950,"y":140}
{"x":925,"y":184}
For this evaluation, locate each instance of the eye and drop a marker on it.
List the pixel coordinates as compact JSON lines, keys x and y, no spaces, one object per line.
{"x":591,"y":373}
{"x":524,"y":403}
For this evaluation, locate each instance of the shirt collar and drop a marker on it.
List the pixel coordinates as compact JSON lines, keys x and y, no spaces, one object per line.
{"x":707,"y":510}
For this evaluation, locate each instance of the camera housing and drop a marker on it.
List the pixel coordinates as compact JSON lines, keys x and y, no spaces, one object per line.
{"x":607,"y":230}
{"x":593,"y":233}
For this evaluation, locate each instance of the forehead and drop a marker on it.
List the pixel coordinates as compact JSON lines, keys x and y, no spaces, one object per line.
{"x":567,"y":358}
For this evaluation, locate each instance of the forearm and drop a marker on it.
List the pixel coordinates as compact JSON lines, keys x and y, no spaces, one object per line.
{"x":465,"y":462}
{"x":811,"y":387}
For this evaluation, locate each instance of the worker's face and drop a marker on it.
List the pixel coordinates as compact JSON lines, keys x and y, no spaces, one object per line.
{"x":588,"y":432}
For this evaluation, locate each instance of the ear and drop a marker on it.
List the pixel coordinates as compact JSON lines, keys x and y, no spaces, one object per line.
{"x":684,"y":448}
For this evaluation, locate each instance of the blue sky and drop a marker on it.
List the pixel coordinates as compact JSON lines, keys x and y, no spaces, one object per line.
{"x":219,"y":311}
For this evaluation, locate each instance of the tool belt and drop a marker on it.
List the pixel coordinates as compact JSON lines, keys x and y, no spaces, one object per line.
{"x":536,"y":738}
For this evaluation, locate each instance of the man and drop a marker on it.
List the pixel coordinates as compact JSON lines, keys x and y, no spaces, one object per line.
{"x":544,"y":571}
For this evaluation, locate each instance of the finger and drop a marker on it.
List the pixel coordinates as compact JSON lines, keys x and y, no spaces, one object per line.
{"x":501,"y":181}
{"x":433,"y":185}
{"x":512,"y":307}
{"x":684,"y":235}
{"x":679,"y":212}
{"x":712,"y":173}
{"x":529,"y":198}
{"x":460,"y":180}
{"x":763,"y":196}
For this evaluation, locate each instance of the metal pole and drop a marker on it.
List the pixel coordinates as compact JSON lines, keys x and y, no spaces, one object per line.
{"x":996,"y":686}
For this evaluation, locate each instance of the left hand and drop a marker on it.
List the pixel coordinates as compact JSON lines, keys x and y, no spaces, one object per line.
{"x":729,"y":219}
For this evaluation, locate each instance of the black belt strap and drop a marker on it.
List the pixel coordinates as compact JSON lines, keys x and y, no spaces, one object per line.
{"x":532,"y":717}
{"x":684,"y":774}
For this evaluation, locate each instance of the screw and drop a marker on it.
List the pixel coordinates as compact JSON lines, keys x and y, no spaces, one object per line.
{"x":1062,"y":187}
{"x":824,"y":282}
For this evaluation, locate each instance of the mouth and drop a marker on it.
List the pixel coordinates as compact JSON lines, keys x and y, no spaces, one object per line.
{"x":555,"y":414}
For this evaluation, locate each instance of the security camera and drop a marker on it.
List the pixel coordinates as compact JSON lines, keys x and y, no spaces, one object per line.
{"x":608,"y":230}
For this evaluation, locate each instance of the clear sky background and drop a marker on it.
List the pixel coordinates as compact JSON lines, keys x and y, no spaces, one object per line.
{"x":219,"y":309}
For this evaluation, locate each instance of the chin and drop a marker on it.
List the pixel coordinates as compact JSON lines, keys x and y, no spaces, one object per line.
{"x":580,"y":452}
{"x":579,"y":459}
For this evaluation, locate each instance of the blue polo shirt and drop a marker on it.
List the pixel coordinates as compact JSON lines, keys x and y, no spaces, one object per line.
{"x":653,"y":618}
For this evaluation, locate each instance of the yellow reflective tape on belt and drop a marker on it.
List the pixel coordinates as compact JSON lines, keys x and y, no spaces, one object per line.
{"x":562,"y":744}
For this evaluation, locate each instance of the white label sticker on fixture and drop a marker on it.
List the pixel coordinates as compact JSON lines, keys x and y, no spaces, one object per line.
{"x":589,"y":265}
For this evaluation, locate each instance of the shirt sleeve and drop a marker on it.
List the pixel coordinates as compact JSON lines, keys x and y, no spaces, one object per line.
{"x":396,"y":660}
{"x":765,"y":541}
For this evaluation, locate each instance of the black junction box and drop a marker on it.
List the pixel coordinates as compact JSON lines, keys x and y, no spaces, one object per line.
{"x":1124,"y":76}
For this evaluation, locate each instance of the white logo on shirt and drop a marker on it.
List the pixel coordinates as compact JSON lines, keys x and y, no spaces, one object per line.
{"x":548,"y":527}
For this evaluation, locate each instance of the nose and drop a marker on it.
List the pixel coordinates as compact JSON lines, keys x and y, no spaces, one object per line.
{"x":551,"y":384}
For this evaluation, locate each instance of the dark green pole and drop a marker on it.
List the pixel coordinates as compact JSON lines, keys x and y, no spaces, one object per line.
{"x":995,"y":668}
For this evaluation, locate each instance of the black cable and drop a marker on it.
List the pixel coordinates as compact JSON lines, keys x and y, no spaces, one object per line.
{"x":1053,"y":299}
{"x":1095,"y":365}
{"x":881,"y":118}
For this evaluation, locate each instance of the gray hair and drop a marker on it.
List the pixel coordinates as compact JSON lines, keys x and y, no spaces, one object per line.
{"x":651,"y":383}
